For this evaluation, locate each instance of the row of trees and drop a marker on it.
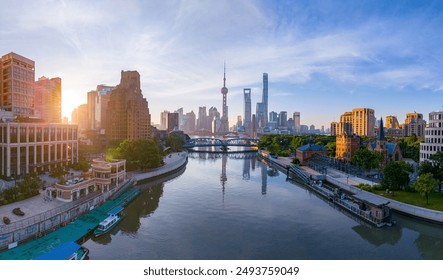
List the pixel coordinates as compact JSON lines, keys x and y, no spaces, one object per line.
{"x":285,"y":145}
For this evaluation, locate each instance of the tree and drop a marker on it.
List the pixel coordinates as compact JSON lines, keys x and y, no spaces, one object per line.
{"x":296,"y":142}
{"x":331,"y":147}
{"x":437,"y":162}
{"x":175,"y":143}
{"x":365,"y":159}
{"x":139,"y":154}
{"x":410,"y":147}
{"x":396,"y":175}
{"x":425,"y":185}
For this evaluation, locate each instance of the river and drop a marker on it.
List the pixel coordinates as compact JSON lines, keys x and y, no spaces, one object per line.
{"x":236,"y":207}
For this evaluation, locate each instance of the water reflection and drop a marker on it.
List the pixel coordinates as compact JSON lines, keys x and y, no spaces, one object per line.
{"x":262,"y":216}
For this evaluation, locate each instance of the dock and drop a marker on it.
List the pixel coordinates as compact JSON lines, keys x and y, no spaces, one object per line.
{"x":75,"y":231}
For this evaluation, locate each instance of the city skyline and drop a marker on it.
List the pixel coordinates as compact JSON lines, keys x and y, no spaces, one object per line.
{"x":324,"y":57}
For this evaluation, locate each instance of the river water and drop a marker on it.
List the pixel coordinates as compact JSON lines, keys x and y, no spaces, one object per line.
{"x":236,"y":207}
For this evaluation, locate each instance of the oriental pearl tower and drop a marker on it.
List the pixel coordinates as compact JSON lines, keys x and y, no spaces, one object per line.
{"x":224,"y":126}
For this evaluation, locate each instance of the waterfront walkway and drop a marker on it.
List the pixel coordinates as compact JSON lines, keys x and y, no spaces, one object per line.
{"x":39,"y":204}
{"x":349,"y":183}
{"x":74,"y":231}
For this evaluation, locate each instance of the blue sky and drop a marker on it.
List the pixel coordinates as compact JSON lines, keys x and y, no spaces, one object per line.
{"x":323,"y":57}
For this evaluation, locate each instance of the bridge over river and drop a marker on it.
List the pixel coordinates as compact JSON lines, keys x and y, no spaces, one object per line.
{"x":224,"y":143}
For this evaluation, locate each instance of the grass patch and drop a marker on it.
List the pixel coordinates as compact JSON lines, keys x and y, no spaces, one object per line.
{"x":414,"y":198}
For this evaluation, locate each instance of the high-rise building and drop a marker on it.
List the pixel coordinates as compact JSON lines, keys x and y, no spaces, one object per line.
{"x":91,"y":98}
{"x":273,"y":120}
{"x":190,"y":122}
{"x":414,"y":124}
{"x":48,"y":99}
{"x":392,"y":122}
{"x":363,"y":121}
{"x":202,"y":118}
{"x":283,"y":119}
{"x":79,"y":116}
{"x":17,"y":85}
{"x":265,"y":98}
{"x":296,"y":118}
{"x":239,"y":121}
{"x":253,"y":128}
{"x":260,"y":118}
{"x":224,"y":126}
{"x":130,"y":118}
{"x":172,"y":121}
{"x":180,"y":117}
{"x":433,"y":136}
{"x":101,"y":106}
{"x":247,"y":108}
{"x":164,"y":120}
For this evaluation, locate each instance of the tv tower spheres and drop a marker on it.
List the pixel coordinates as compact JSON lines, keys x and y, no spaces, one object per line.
{"x":224,"y":126}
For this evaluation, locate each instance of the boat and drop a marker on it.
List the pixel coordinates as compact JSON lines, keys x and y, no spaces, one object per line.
{"x":115,"y":215}
{"x":67,"y":251}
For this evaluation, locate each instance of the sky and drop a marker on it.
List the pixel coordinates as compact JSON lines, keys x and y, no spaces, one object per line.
{"x":322,"y":57}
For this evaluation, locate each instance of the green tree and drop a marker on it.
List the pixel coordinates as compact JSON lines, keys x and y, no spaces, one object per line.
{"x":296,"y":142}
{"x":365,"y":159}
{"x":425,"y":185}
{"x":175,"y":143}
{"x":396,"y":175}
{"x":410,"y":147}
{"x":437,"y":162}
{"x":331,"y":147}
{"x":139,"y":154}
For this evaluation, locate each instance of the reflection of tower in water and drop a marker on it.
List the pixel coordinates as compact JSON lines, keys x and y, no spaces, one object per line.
{"x":223,"y":177}
{"x":246,"y":168}
{"x":264,"y":178}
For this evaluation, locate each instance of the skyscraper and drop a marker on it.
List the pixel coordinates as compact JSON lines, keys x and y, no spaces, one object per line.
{"x":414,"y":124}
{"x":92,"y":96}
{"x":296,"y":118}
{"x":260,"y":118}
{"x":247,"y":108}
{"x":363,"y":121}
{"x":190,"y":122}
{"x":173,"y":119}
{"x":101,"y":105}
{"x":392,"y":122}
{"x":48,"y":99}
{"x":224,"y":126}
{"x":130,"y":118}
{"x":202,"y":119}
{"x":283,"y":119}
{"x":17,"y":85}
{"x":164,"y":120}
{"x":265,"y":98}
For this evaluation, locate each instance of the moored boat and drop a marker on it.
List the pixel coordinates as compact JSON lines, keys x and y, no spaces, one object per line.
{"x":115,"y":215}
{"x":66,"y":251}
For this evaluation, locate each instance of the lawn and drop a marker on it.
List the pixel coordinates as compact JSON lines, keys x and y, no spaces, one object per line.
{"x":414,"y":198}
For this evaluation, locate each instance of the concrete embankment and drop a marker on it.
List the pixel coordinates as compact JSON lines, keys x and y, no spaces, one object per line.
{"x":342,"y":180}
{"x":173,"y":162}
{"x":44,"y":216}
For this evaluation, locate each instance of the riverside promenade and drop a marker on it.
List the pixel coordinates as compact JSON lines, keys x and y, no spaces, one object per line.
{"x":348,"y":183}
{"x":37,"y":206}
